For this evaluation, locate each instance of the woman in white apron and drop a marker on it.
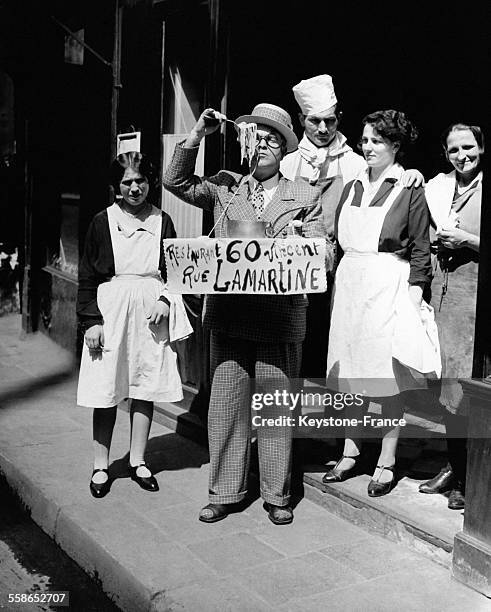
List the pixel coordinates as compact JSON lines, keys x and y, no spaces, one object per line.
{"x":129,"y":318}
{"x":454,"y":200}
{"x":377,"y":338}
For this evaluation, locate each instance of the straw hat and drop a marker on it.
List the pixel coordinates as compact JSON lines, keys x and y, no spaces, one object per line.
{"x":275,"y":117}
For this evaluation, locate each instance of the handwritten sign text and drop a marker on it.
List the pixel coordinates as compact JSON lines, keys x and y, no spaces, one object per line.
{"x":266,"y":266}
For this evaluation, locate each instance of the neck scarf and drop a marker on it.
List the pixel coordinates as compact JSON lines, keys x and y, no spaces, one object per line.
{"x":317,"y":156}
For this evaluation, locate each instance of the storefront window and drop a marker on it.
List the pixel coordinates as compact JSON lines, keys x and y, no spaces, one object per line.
{"x":65,"y":257}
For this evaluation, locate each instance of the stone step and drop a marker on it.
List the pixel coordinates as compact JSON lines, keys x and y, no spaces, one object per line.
{"x":423,"y":523}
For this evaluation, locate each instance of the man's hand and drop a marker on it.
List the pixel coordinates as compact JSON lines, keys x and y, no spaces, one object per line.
{"x":454,"y":238}
{"x":206,"y":124}
{"x":412,"y":178}
{"x":159,"y":311}
{"x":94,"y":337}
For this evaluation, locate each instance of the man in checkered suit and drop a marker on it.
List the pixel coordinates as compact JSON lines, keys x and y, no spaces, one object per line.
{"x":254,"y":339}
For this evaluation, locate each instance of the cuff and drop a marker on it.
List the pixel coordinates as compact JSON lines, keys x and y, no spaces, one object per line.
{"x":185,"y":157}
{"x":419,"y":279}
{"x":88,"y":323}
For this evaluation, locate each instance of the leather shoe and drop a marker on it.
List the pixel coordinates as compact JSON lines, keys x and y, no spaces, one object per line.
{"x":376,"y":488}
{"x":337,"y":475}
{"x":149,"y":483}
{"x":212,"y":513}
{"x":456,"y":499}
{"x":440,"y":483}
{"x":279,"y":515}
{"x":99,"y":489}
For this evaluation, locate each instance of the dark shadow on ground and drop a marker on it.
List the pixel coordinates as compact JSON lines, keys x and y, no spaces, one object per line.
{"x":25,"y":389}
{"x":168,"y":452}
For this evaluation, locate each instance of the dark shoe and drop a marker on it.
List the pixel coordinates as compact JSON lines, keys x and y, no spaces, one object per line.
{"x":376,"y":488}
{"x":456,"y":499}
{"x":148,"y":483}
{"x":212,"y":513}
{"x":279,"y":515}
{"x":440,"y":483}
{"x":337,"y":475}
{"x":99,"y":489}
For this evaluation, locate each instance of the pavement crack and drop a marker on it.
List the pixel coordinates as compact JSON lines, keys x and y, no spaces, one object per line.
{"x":55,"y":527}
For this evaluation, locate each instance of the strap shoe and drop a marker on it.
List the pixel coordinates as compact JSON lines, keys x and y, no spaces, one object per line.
{"x":99,"y":489}
{"x":376,"y":488}
{"x":337,"y":475}
{"x":149,"y":483}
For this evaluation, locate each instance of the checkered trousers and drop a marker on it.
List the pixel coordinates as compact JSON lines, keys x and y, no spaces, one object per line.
{"x":235,"y":363}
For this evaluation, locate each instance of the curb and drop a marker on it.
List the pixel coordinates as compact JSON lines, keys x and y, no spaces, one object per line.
{"x":120,"y":585}
{"x":125,"y":586}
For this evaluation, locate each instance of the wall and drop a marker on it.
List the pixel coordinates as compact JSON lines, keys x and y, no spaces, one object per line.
{"x":427,"y":61}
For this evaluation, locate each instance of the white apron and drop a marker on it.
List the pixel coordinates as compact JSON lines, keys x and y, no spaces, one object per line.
{"x":137,"y":360}
{"x":375,"y":329}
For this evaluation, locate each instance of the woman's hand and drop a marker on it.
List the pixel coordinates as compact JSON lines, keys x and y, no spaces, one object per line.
{"x":456,"y":238}
{"x":412,"y":178}
{"x":94,"y":338}
{"x":159,"y":311}
{"x":206,"y":124}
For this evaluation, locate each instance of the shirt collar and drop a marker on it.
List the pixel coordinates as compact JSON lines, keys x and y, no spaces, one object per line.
{"x":475,"y":184}
{"x":478,"y":180}
{"x":129,"y":225}
{"x":268,"y":184}
{"x":391,"y":174}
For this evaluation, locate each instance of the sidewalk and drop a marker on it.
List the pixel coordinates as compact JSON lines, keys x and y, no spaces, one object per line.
{"x":149,"y":551}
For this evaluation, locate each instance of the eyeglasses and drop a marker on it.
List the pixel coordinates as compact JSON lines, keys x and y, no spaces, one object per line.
{"x":272,"y":141}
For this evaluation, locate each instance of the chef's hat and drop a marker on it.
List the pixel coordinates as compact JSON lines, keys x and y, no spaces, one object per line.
{"x":315,"y":95}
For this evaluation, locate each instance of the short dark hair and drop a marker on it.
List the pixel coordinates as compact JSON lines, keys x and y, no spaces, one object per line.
{"x":138,"y":162}
{"x":395,"y":126}
{"x":475,"y":129}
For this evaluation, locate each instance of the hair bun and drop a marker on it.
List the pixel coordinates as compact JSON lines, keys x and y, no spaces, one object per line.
{"x":393,"y":125}
{"x":407,"y":129}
